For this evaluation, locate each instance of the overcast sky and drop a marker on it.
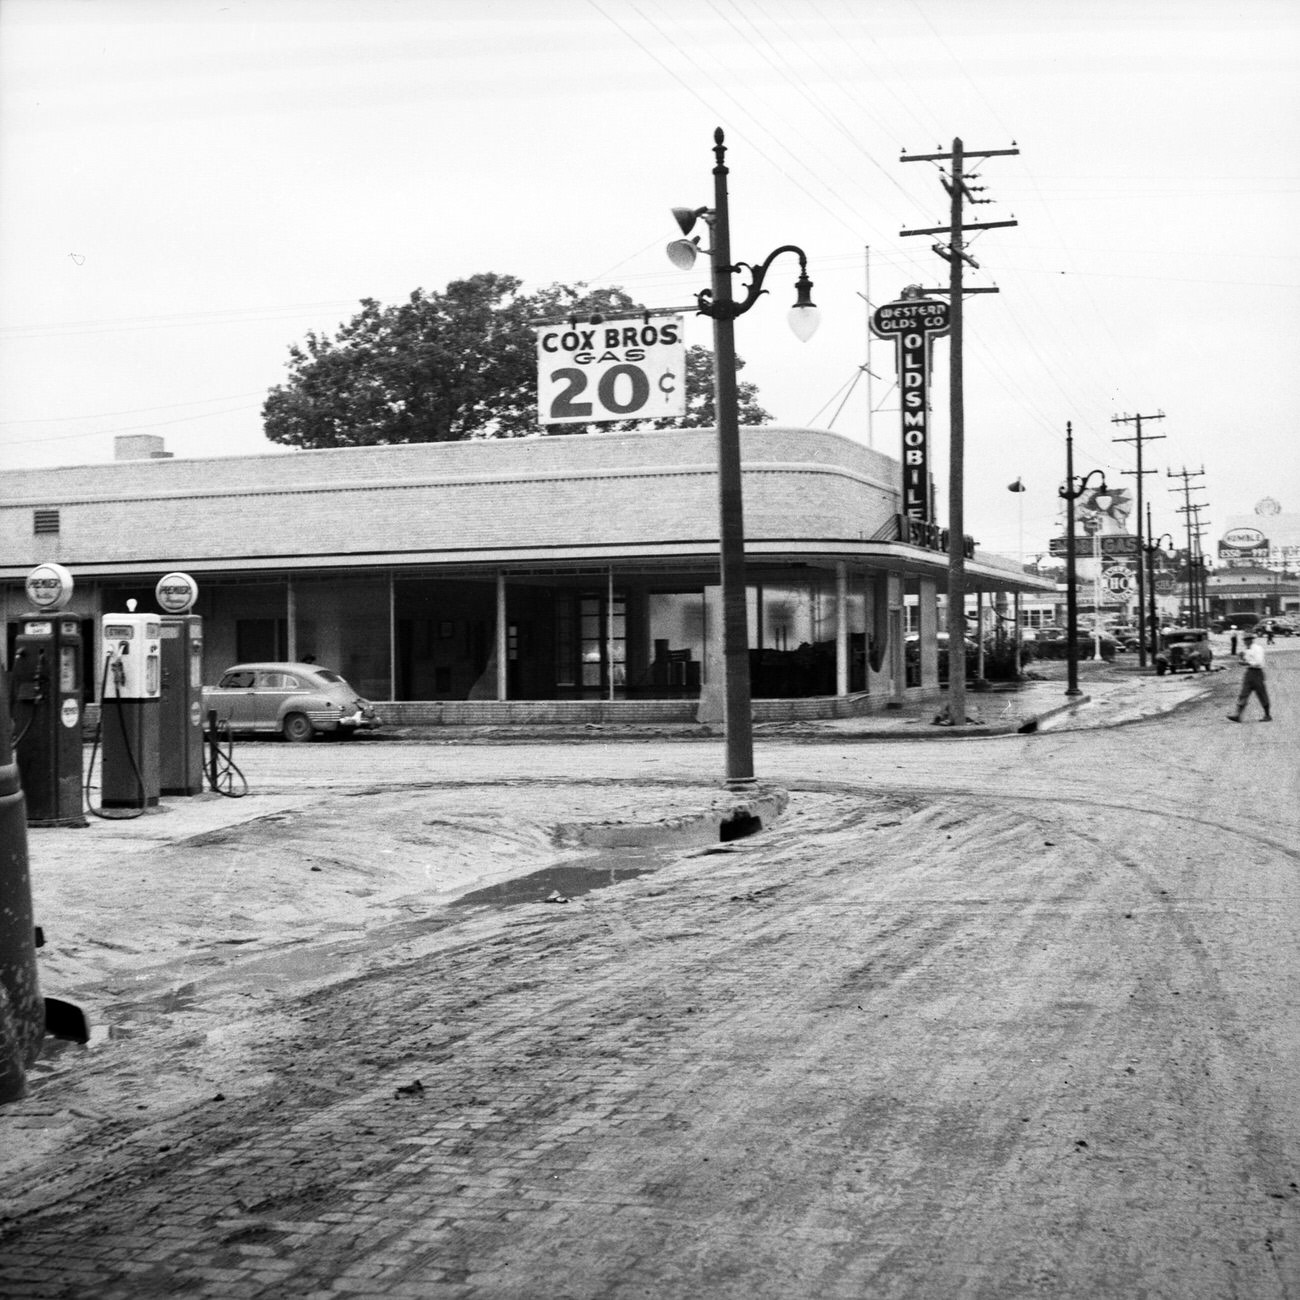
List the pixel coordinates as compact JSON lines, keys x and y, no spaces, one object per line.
{"x":191,"y":186}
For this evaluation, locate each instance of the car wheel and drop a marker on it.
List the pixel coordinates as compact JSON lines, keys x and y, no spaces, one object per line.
{"x":297,"y":728}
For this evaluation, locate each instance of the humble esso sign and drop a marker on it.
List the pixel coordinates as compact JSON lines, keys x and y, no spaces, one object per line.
{"x":613,"y":370}
{"x":1244,"y":539}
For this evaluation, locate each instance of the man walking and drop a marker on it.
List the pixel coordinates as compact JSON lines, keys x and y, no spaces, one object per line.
{"x":1252,"y":680}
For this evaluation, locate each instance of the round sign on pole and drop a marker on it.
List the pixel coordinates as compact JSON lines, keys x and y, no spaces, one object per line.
{"x":49,"y":587}
{"x":1117,"y":582}
{"x":176,"y":593}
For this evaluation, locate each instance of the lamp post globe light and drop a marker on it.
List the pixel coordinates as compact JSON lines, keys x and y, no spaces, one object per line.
{"x":718,"y":303}
{"x":1070,"y":493}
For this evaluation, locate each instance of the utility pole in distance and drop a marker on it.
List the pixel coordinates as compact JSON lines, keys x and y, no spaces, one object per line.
{"x":1202,"y":576}
{"x":1136,"y":420}
{"x":1193,"y":595}
{"x":958,"y":191}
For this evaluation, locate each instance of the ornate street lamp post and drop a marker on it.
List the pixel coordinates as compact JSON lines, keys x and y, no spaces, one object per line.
{"x":718,"y":303}
{"x":1151,"y":548}
{"x":1069,"y":494}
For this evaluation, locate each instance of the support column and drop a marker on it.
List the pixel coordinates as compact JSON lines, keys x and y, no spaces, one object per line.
{"x":1020,"y":638}
{"x":291,"y":619}
{"x":392,"y":636}
{"x":841,"y":628}
{"x":927,"y":626}
{"x":502,"y":665}
{"x":711,"y":670}
{"x":897,"y":650}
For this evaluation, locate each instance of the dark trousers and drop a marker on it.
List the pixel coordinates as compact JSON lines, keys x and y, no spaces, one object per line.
{"x":1252,"y":683}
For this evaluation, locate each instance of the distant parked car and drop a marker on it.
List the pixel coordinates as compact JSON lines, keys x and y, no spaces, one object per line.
{"x":1054,"y":643}
{"x":296,"y":701}
{"x":1241,"y":622}
{"x":1276,"y":627}
{"x":913,"y":639}
{"x":1183,"y":647}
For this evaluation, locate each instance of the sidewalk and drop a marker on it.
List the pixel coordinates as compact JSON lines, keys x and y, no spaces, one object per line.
{"x":1110,"y":694}
{"x":285,"y":780}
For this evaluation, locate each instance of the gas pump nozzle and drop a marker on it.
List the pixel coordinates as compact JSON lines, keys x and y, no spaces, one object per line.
{"x":113,"y":662}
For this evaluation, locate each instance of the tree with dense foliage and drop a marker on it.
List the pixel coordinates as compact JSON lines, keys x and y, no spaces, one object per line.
{"x":442,"y":367}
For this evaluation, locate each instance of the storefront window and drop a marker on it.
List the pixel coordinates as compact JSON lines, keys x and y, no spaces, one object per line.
{"x":591,"y":641}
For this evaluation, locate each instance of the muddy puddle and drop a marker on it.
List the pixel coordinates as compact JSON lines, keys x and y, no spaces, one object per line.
{"x":564,"y":881}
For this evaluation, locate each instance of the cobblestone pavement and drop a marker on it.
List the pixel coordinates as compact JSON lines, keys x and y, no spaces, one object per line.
{"x":1008,"y":1017}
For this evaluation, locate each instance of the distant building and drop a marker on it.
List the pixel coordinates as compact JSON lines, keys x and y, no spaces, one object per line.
{"x":1257,"y":564}
{"x":536,"y":573}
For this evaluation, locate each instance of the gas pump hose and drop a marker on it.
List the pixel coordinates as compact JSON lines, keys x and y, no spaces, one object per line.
{"x":125,"y":815}
{"x":222,"y":770}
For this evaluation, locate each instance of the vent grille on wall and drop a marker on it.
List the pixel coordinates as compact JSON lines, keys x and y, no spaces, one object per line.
{"x":45,"y":521}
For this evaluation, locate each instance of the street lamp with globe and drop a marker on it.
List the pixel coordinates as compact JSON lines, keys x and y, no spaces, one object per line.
{"x":718,"y":303}
{"x":1069,"y":493}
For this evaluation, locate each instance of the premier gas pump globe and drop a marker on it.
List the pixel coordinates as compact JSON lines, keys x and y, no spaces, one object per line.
{"x":176,"y":593}
{"x":49,"y":587}
{"x":131,"y":686}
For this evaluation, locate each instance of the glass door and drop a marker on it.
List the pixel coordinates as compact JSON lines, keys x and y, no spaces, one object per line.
{"x":591,"y":642}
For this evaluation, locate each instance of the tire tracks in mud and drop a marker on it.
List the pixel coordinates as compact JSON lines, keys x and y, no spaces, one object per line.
{"x":534,"y":1025}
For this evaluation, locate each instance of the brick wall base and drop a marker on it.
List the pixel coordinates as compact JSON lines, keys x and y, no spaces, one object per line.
{"x":519,"y":713}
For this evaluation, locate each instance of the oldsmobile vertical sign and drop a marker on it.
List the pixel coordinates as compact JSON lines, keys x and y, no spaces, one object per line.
{"x":912,"y":324}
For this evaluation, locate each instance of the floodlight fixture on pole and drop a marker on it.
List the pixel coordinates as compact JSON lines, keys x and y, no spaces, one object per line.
{"x":687,"y":217}
{"x":718,"y":303}
{"x":683,"y":252}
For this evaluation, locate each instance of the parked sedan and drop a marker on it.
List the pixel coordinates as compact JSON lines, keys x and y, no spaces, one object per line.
{"x":296,"y":701}
{"x":1054,"y":643}
{"x":1183,"y":647}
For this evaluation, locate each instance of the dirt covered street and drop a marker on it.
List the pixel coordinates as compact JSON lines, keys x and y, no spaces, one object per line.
{"x":975,"y":1017}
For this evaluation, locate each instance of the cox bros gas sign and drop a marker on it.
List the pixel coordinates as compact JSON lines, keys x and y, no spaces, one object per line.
{"x":613,"y":370}
{"x":912,"y":323}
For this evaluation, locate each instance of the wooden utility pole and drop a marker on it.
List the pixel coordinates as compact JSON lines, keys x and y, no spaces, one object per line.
{"x":1193,"y":546}
{"x":1136,"y":420}
{"x":959,"y":191}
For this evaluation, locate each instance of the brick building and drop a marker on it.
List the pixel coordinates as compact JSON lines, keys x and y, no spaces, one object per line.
{"x":521,"y":578}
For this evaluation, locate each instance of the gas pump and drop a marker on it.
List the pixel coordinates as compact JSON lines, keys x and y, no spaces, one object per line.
{"x":22,"y":1013}
{"x":180,"y":740}
{"x":45,"y":700}
{"x":129,"y":699}
{"x":25,"y":1017}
